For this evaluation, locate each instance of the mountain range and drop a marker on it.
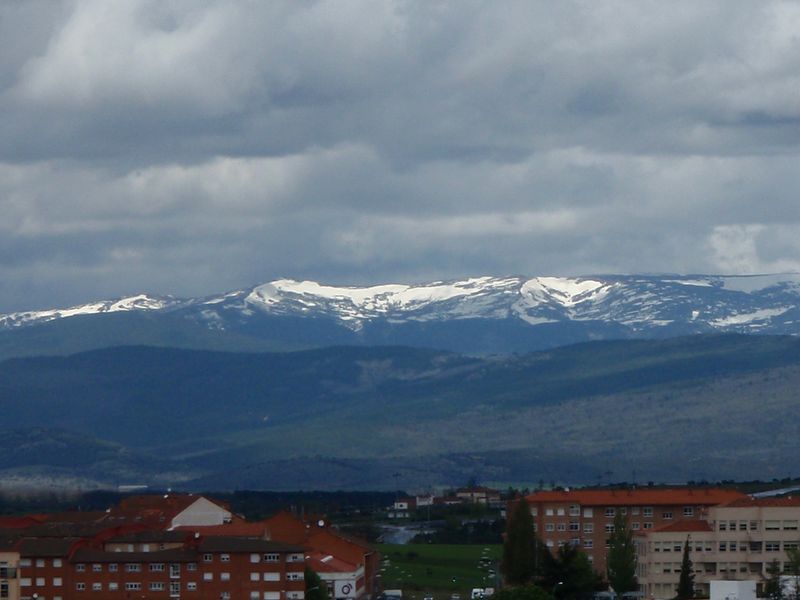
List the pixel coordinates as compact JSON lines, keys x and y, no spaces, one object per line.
{"x":697,"y":407}
{"x":477,"y":316}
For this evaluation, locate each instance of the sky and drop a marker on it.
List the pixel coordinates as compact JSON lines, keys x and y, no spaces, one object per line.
{"x":191,"y":148}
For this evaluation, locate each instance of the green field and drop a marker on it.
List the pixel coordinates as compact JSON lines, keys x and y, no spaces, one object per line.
{"x":438,"y":569}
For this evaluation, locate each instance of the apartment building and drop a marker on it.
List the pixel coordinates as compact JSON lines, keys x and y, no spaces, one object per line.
{"x":202,"y":568}
{"x":585,"y":517}
{"x":734,"y":541}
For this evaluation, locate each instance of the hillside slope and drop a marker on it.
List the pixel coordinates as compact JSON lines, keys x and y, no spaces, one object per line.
{"x":667,"y":408}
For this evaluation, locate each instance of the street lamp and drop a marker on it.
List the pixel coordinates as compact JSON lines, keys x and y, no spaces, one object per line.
{"x":555,"y":587}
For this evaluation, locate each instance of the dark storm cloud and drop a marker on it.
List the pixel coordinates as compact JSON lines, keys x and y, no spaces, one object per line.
{"x":192,"y":147}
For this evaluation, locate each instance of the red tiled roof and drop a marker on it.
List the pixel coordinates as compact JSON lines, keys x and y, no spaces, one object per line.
{"x":655,"y":497}
{"x":777,"y":501}
{"x":322,"y":562}
{"x":18,"y":522}
{"x":237,"y":528}
{"x":685,"y":526}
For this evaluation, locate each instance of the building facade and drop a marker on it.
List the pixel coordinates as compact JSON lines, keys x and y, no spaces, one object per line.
{"x":585,"y":517}
{"x":733,"y":542}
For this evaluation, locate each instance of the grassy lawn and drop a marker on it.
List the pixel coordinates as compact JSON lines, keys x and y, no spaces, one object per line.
{"x":432,"y":568}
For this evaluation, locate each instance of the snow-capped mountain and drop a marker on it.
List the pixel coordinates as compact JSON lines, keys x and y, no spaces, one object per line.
{"x":515,"y":313}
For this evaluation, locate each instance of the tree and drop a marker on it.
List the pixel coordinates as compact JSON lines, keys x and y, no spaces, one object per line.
{"x":520,"y":547}
{"x":622,"y":557}
{"x":522,"y":592}
{"x":772,"y":586}
{"x":569,"y":574}
{"x":793,"y":569}
{"x":315,"y":587}
{"x":686,"y":581}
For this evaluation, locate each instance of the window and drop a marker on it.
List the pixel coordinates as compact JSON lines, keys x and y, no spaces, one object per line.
{"x":753,"y":525}
{"x":133,"y":567}
{"x":609,"y":512}
{"x":742,"y":525}
{"x":647,"y":511}
{"x":732,"y":546}
{"x":635,"y":526}
{"x":574,"y":510}
{"x":133,"y":587}
{"x":24,"y":562}
{"x":755,"y":546}
{"x":25,"y":582}
{"x":156,"y":567}
{"x":40,"y":582}
{"x":208,"y":557}
{"x":97,"y":568}
{"x":208,"y":577}
{"x":225,"y":557}
{"x":80,"y":587}
{"x":274,"y":595}
{"x":688,"y":511}
{"x":295,"y":558}
{"x":772,"y":546}
{"x":609,"y":528}
{"x":666,"y":515}
{"x":723,"y":546}
{"x":732,"y":525}
{"x":634,"y":510}
{"x":191,"y":567}
{"x":174,"y":588}
{"x":255,"y":596}
{"x":294,"y":576}
{"x":723,"y":526}
{"x":790,"y":525}
{"x":574,"y":526}
{"x":772,"y":525}
{"x":560,"y":512}
{"x":588,"y":528}
{"x":588,"y":513}
{"x":534,"y":511}
{"x":272,"y":576}
{"x":97,"y":587}
{"x":57,"y":562}
{"x":113,"y":586}
{"x":548,"y":512}
{"x":562,"y":527}
{"x":549,"y":543}
{"x":254,"y":558}
{"x":588,"y":543}
{"x":225,"y":596}
{"x":112,"y":567}
{"x":225,"y":576}
{"x":255,"y":576}
{"x":79,"y":568}
{"x":39,"y":562}
{"x":549,"y":527}
{"x":57,"y":582}
{"x":677,"y":546}
{"x":648,"y":525}
{"x":191,"y":586}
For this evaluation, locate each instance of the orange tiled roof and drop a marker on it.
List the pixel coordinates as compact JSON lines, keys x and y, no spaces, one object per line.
{"x":777,"y":501}
{"x":675,"y":496}
{"x":685,"y":526}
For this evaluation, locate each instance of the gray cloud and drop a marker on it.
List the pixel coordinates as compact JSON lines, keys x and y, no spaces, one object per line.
{"x":191,"y":147}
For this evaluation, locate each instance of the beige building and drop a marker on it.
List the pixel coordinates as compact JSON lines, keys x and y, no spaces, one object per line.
{"x":9,"y":571}
{"x":736,"y":541}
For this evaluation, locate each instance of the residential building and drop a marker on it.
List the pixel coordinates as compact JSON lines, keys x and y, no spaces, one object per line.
{"x":732,"y":542}
{"x":585,"y":517}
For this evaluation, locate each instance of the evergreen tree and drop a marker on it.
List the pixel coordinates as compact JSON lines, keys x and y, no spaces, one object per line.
{"x":569,"y":575}
{"x":772,"y":586}
{"x":522,"y":592}
{"x":520,"y":548}
{"x":316,"y":589}
{"x":622,"y":557}
{"x":793,"y":569}
{"x":686,"y":581}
